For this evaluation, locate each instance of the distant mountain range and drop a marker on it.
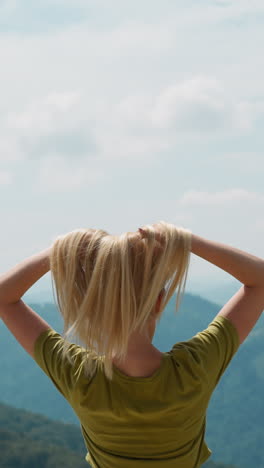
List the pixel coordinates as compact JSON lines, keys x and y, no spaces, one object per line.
{"x":236,"y":411}
{"x":218,"y":293}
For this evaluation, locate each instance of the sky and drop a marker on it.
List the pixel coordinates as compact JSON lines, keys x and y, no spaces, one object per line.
{"x":119,"y":114}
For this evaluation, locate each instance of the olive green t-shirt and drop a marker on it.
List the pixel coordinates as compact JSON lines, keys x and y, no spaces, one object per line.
{"x":147,"y":422}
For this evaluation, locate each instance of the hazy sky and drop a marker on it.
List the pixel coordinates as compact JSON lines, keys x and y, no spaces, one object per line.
{"x":116,"y":114}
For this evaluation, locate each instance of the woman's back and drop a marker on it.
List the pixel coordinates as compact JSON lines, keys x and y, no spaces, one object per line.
{"x":157,"y":420}
{"x":142,"y":367}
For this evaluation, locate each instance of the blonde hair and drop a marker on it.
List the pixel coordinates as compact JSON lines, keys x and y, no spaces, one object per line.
{"x":107,"y":286}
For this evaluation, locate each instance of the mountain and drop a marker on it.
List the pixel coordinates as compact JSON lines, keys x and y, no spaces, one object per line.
{"x":236,"y":410}
{"x":216,"y":292}
{"x":30,"y":440}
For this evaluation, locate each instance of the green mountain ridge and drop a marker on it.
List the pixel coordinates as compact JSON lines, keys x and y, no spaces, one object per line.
{"x":34,"y":441}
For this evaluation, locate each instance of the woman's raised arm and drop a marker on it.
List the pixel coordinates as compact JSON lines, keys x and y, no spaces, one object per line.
{"x":246,"y":306}
{"x":23,"y":322}
{"x":245,"y":267}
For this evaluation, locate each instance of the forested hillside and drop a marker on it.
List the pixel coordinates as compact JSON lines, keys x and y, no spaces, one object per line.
{"x":33,"y":441}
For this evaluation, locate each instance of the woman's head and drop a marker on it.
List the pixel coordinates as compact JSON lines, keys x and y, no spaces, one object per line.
{"x":108,"y":286}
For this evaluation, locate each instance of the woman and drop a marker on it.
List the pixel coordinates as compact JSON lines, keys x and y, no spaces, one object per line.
{"x":137,"y":406}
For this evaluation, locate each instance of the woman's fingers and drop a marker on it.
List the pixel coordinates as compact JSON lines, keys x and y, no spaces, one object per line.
{"x":142,"y":232}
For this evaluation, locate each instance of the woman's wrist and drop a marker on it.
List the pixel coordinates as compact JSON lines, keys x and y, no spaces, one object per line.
{"x":194,"y":243}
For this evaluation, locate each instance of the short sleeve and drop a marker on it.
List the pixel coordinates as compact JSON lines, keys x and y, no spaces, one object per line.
{"x":214,"y":347}
{"x":62,"y":371}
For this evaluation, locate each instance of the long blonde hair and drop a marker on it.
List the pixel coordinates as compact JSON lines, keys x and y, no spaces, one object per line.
{"x":107,"y":286}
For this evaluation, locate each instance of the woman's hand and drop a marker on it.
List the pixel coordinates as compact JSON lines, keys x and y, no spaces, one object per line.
{"x":158,"y":233}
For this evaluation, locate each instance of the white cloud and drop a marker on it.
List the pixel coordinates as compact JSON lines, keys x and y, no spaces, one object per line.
{"x":117,"y":59}
{"x":141,"y":85}
{"x":200,"y":104}
{"x":137,"y":126}
{"x":54,"y":123}
{"x":43,"y":115}
{"x":143,"y":126}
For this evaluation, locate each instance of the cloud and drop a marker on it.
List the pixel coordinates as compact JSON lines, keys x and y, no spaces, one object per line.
{"x":135,"y":127}
{"x":200,"y":104}
{"x":131,"y":55}
{"x":42,"y":114}
{"x":198,"y":107}
{"x":54,"y":123}
{"x":143,"y":126}
{"x":142,"y":103}
{"x":122,"y":93}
